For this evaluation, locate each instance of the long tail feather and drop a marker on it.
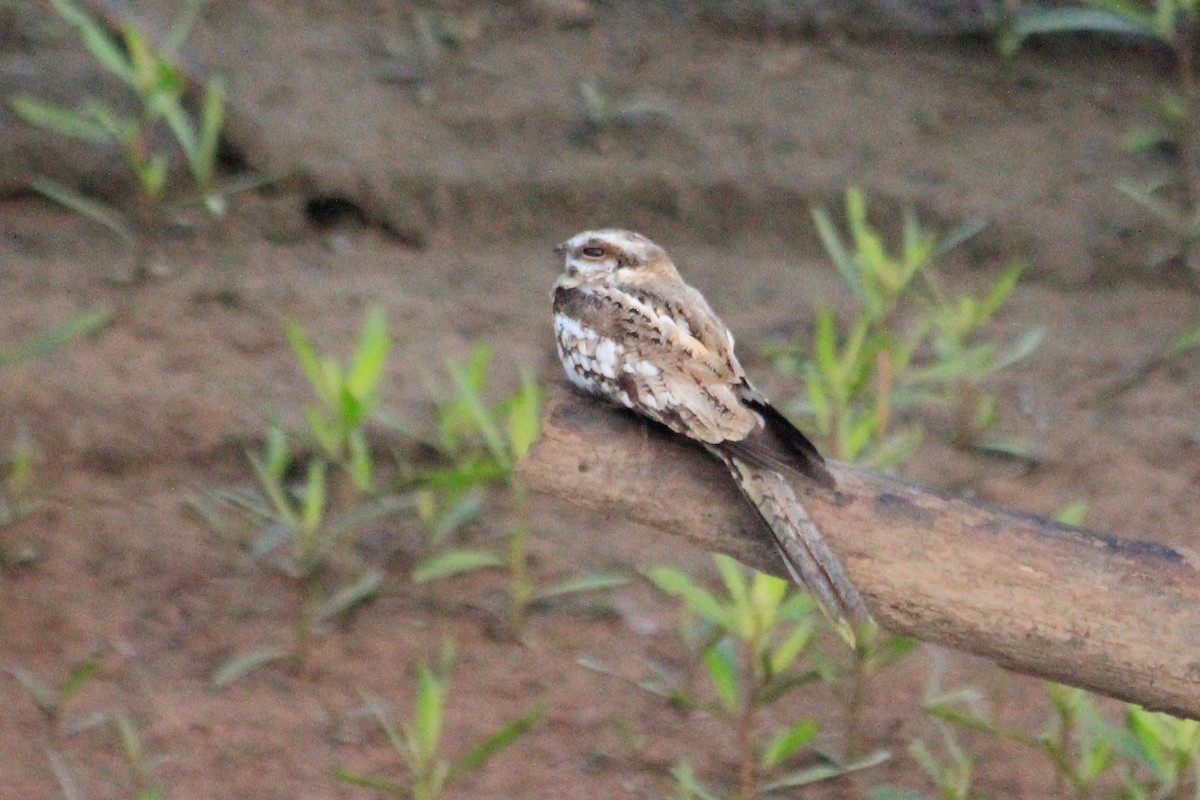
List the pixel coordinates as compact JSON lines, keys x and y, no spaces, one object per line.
{"x":809,"y":559}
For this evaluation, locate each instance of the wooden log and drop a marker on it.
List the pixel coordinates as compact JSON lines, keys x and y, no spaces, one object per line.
{"x":1091,"y":609}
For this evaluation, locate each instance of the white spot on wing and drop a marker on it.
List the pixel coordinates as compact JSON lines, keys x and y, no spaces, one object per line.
{"x":606,"y":358}
{"x":570,"y":327}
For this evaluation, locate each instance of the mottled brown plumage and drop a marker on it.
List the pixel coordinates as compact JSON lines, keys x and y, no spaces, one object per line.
{"x":631,"y":330}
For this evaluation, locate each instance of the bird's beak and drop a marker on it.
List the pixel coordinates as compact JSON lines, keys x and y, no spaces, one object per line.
{"x":560,"y":248}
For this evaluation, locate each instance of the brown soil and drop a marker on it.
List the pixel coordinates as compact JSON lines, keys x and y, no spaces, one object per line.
{"x":735,"y":138}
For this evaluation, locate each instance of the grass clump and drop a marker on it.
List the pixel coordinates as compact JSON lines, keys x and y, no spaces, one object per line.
{"x":152,"y":74}
{"x":909,"y":343}
{"x":316,"y":488}
{"x":752,"y":639}
{"x":479,"y":444}
{"x":418,"y":740}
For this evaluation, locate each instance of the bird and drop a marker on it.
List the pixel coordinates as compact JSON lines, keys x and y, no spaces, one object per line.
{"x":631,"y":331}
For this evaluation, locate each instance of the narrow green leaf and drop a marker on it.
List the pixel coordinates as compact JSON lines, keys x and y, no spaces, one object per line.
{"x":721,"y":664}
{"x":780,"y":686}
{"x":359,"y":460}
{"x":1148,"y":732}
{"x":239,"y":666}
{"x":1072,"y":513}
{"x":170,"y":108}
{"x":680,"y":584}
{"x":100,"y":44}
{"x":786,"y":652}
{"x":62,"y":773}
{"x":375,"y":782}
{"x":47,"y":699}
{"x":524,"y":415}
{"x":888,"y":791}
{"x":1188,"y":340}
{"x":454,"y":562}
{"x":825,"y":342}
{"x":348,"y":597}
{"x":1024,"y":347}
{"x":689,"y":784}
{"x":96,"y":210}
{"x":823,"y":772}
{"x":465,"y":509}
{"x":1072,"y":19}
{"x":836,"y":249}
{"x":59,"y":119}
{"x":734,"y":577}
{"x":469,"y":383}
{"x":370,"y":356}
{"x":429,"y":709}
{"x":212,"y":120}
{"x":961,"y":233}
{"x":767,"y":593}
{"x":314,"y":495}
{"x":584,"y":582}
{"x":481,"y":753}
{"x":787,"y":742}
{"x":310,"y":362}
{"x":376,"y":708}
{"x":1001,"y":290}
{"x":58,"y":335}
{"x":80,"y":675}
{"x":128,"y":739}
{"x":152,"y":175}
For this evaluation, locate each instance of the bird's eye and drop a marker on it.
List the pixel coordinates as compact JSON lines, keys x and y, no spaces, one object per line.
{"x":592,"y":252}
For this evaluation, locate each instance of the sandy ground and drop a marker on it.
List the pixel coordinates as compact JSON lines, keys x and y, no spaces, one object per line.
{"x":467,"y":166}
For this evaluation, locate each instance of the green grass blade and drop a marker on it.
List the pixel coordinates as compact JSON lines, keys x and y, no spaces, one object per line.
{"x":1071,"y":19}
{"x":1024,"y":347}
{"x":787,"y":742}
{"x":57,"y":336}
{"x":845,"y":263}
{"x":62,"y":773}
{"x":465,"y":509}
{"x":370,"y":357}
{"x":374,"y":782}
{"x":823,"y":772}
{"x":786,"y":652}
{"x":1188,"y":340}
{"x":98,"y":41}
{"x":485,"y":750}
{"x":961,"y":234}
{"x":59,"y":119}
{"x":368,"y":585}
{"x":46,"y":698}
{"x":428,"y":714}
{"x":524,"y":415}
{"x":469,"y":383}
{"x":454,"y":562}
{"x":80,"y":675}
{"x":679,"y":584}
{"x":96,"y":210}
{"x":239,"y":666}
{"x":310,"y":362}
{"x":584,"y":582}
{"x":720,"y":662}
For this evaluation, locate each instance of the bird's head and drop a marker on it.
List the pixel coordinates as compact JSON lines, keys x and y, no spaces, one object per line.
{"x":606,"y":252}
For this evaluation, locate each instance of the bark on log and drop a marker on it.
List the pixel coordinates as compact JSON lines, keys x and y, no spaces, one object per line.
{"x":1115,"y":615}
